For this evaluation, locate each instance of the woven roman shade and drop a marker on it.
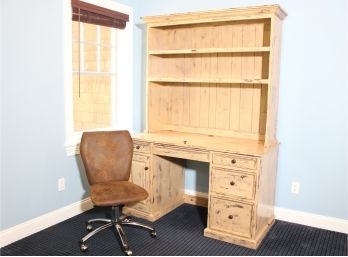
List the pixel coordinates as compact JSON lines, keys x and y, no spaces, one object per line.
{"x":93,"y":14}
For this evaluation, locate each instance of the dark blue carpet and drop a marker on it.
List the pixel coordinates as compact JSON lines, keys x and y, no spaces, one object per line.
{"x":178,"y":233}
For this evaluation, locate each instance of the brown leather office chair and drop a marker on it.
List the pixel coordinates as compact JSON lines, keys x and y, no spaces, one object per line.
{"x":107,"y":157}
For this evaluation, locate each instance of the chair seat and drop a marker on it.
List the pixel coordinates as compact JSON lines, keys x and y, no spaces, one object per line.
{"x":114,"y":193}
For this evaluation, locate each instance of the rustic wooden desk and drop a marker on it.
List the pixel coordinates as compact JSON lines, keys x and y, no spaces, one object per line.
{"x":212,"y":96}
{"x":241,"y":181}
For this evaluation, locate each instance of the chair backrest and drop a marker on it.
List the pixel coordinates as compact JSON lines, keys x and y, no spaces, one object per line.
{"x":106,"y":155}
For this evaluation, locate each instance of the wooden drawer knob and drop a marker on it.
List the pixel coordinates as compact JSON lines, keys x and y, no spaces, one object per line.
{"x":137,"y":147}
{"x":232,"y":183}
{"x":230,"y":217}
{"x":146,"y":168}
{"x":233,"y":161}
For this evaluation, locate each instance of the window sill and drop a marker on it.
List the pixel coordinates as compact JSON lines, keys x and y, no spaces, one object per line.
{"x":72,"y":149}
{"x":72,"y":145}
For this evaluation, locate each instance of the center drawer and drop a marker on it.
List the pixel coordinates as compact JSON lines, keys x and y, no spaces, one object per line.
{"x":231,"y":182}
{"x":189,"y":153}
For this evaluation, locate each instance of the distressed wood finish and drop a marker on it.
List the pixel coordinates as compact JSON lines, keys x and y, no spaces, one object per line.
{"x":223,"y":86}
{"x":273,"y":88}
{"x":212,"y":96}
{"x":266,"y":189}
{"x":234,"y":161}
{"x":168,"y":185}
{"x":141,"y":177}
{"x":217,"y":143}
{"x":232,"y":182}
{"x":254,"y":187}
{"x":231,"y":217}
{"x":196,"y":200}
{"x":162,"y":177}
{"x":141,"y":147}
{"x":196,"y":154}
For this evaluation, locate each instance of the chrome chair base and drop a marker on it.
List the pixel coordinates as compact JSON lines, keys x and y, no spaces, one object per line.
{"x":117,"y":221}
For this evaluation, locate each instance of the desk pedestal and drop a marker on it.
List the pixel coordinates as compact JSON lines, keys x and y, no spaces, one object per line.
{"x":165,"y":185}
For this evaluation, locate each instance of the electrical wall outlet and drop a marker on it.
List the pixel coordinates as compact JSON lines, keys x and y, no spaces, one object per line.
{"x":61,"y":184}
{"x":295,"y":187}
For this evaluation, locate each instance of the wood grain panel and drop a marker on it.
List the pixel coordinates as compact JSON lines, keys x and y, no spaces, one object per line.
{"x":223,"y":99}
{"x":263,"y":109}
{"x":186,"y":105}
{"x":235,"y":106}
{"x":204,"y":106}
{"x":212,"y":105}
{"x":188,"y":153}
{"x":246,"y":103}
{"x":168,"y":184}
{"x":177,"y":99}
{"x":140,"y":176}
{"x":256,"y":107}
{"x":154,"y":110}
{"x":156,"y":39}
{"x":194,"y":110}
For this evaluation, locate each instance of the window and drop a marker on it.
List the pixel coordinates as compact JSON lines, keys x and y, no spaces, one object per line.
{"x":98,"y":71}
{"x":94,"y":75}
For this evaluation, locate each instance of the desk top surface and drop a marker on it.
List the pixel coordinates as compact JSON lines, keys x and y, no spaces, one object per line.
{"x":208,"y":142}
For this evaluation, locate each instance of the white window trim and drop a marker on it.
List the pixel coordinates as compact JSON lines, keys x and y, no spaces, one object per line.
{"x":123,"y":102}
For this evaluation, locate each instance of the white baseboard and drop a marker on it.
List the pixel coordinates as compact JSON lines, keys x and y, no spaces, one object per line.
{"x":312,"y":220}
{"x":30,"y":227}
{"x":303,"y":218}
{"x":196,"y":193}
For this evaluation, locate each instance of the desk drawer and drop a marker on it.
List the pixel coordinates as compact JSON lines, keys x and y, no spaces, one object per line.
{"x":230,"y":182}
{"x":181,"y":152}
{"x":141,"y":147}
{"x":230,"y":217}
{"x":234,"y":161}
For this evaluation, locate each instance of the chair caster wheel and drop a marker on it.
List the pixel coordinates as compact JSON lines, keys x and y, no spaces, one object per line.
{"x":83,"y":247}
{"x":128,"y":252}
{"x":89,"y":228}
{"x":153,"y":234}
{"x":127,"y":219}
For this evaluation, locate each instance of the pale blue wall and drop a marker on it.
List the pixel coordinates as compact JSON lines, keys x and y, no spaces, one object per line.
{"x":33,"y":154}
{"x":312,"y":99}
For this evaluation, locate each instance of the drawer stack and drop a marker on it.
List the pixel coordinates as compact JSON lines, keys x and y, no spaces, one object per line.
{"x":232,"y":197}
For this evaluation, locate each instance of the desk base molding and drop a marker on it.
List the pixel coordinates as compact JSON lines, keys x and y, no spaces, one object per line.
{"x":196,"y":198}
{"x":238,"y":240}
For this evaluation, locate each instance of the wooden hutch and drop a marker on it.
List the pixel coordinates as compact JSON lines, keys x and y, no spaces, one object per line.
{"x":212,"y":96}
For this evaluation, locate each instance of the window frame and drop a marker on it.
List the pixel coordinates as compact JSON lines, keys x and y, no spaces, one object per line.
{"x":122,"y":96}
